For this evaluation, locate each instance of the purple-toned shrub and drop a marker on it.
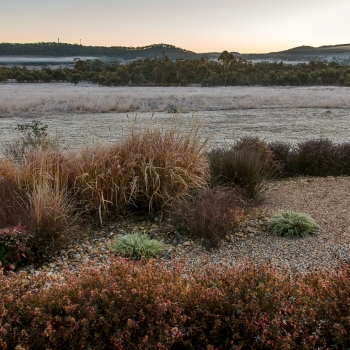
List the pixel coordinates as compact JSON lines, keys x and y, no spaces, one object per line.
{"x":17,"y":247}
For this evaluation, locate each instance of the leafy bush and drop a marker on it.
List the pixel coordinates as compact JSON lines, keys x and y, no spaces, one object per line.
{"x":247,"y":164}
{"x":137,"y":245}
{"x":17,"y":247}
{"x":33,"y":135}
{"x":292,"y":224}
{"x":284,"y":155}
{"x":316,"y":157}
{"x":342,"y":154}
{"x":210,"y":214}
{"x":132,"y":305}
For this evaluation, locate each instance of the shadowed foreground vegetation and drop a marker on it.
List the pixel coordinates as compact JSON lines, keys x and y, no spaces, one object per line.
{"x":149,"y":306}
{"x":46,"y":192}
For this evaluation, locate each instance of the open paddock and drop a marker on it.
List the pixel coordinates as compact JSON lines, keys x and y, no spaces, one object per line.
{"x":86,"y":113}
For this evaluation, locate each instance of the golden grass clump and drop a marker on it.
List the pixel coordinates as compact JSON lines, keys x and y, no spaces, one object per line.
{"x":12,"y":209}
{"x":50,"y":163}
{"x":52,"y":212}
{"x":100,"y":179}
{"x":34,"y":194}
{"x":148,"y":169}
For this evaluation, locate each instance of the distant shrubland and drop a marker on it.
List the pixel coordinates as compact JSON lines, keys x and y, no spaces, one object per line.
{"x":163,"y":71}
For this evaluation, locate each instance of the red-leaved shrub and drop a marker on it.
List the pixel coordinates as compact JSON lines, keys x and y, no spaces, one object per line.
{"x":211,"y":213}
{"x":17,"y":247}
{"x":131,"y":305}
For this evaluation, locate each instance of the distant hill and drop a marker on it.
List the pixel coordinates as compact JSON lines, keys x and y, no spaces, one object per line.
{"x":113,"y":52}
{"x":63,"y":51}
{"x":322,"y":50}
{"x":306,"y":52}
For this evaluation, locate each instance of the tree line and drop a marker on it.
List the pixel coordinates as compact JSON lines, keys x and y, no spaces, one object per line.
{"x":162,"y":71}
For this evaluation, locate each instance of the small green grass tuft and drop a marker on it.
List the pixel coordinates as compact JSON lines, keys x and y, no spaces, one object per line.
{"x":293,"y":224}
{"x":137,"y":246}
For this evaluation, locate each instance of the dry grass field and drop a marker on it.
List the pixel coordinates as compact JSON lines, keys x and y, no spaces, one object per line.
{"x":86,"y":113}
{"x":49,"y":99}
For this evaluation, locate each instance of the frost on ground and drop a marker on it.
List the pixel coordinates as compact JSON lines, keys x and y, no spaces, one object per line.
{"x":223,"y":127}
{"x":225,"y":114}
{"x":43,"y":99}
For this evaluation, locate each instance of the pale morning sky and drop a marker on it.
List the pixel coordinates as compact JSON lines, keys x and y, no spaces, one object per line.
{"x":198,"y":25}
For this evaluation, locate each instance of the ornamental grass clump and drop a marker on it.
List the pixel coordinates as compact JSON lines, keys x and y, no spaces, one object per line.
{"x":247,"y":164}
{"x":137,"y":246}
{"x":147,"y":170}
{"x":293,"y":224}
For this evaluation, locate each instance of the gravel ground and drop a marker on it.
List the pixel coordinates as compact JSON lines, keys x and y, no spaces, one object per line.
{"x":327,"y":200}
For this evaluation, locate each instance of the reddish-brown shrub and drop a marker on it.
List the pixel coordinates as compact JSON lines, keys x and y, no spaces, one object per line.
{"x":211,"y":213}
{"x":316,"y":157}
{"x":149,"y":306}
{"x":17,"y":247}
{"x":284,"y":154}
{"x":343,"y":158}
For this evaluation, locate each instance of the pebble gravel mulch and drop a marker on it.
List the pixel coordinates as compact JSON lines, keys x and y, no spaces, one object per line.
{"x":327,"y":200}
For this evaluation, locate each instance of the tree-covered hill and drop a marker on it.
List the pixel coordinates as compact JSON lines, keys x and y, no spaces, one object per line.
{"x":116,"y":52}
{"x":305,"y":52}
{"x":121,"y":53}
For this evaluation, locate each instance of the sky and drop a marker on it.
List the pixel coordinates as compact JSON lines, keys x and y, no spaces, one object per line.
{"x":245,"y":26}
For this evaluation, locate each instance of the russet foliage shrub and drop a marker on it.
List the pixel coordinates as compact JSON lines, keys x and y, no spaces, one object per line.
{"x":315,"y":157}
{"x":17,"y":247}
{"x":211,"y":214}
{"x":138,"y":305}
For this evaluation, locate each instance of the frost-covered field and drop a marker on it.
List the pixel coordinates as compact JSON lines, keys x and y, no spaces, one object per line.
{"x":83,"y":114}
{"x":43,"y":99}
{"x":223,"y":126}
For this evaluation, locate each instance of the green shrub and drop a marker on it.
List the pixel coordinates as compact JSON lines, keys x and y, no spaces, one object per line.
{"x":33,"y":135}
{"x":137,"y":245}
{"x":292,"y":224}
